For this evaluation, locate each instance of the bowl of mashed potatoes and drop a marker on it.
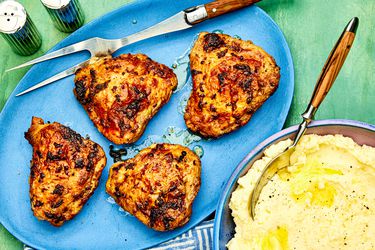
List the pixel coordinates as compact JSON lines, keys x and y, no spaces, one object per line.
{"x":325,"y":199}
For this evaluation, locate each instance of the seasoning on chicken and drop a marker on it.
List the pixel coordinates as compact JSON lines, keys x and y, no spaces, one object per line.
{"x":65,"y":171}
{"x":122,"y":94}
{"x":158,"y":186}
{"x":232,"y":78}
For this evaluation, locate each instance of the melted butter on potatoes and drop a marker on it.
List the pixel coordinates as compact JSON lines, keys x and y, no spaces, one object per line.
{"x":324,"y":200}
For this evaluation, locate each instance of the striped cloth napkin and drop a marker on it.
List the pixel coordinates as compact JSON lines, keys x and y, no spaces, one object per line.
{"x":200,"y":237}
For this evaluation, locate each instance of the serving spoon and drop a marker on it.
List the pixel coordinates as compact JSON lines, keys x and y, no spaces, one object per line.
{"x":325,"y":81}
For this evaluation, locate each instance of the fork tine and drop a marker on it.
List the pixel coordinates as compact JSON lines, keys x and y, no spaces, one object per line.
{"x":54,"y":78}
{"x":61,"y":52}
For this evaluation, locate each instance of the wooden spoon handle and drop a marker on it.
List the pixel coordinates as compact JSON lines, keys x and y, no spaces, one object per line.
{"x":334,"y":63}
{"x":221,"y":7}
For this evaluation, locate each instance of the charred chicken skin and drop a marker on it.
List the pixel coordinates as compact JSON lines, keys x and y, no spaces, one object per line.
{"x":122,"y":94}
{"x":158,"y":185}
{"x":232,"y":78}
{"x":65,"y":171}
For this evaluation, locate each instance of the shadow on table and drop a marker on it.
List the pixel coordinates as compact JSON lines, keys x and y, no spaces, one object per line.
{"x":268,"y":5}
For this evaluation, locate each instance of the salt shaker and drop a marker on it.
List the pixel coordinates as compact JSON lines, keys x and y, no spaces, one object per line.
{"x":18,"y":29}
{"x":67,"y":15}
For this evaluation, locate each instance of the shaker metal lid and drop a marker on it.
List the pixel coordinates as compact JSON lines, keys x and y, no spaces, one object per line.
{"x":55,"y":4}
{"x":12,"y":16}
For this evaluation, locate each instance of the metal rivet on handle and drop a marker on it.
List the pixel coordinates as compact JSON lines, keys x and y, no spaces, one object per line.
{"x":18,"y":29}
{"x":67,"y":15}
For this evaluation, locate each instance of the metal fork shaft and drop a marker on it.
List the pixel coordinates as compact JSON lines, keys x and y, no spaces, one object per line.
{"x":54,"y":78}
{"x":172,"y":24}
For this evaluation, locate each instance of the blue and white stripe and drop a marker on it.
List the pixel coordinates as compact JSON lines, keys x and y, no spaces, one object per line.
{"x":200,"y":238}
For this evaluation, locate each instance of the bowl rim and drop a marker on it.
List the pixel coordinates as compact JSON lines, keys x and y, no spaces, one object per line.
{"x":258,"y":149}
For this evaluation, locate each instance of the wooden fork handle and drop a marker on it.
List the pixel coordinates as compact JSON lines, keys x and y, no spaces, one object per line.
{"x":221,"y":7}
{"x":334,"y":63}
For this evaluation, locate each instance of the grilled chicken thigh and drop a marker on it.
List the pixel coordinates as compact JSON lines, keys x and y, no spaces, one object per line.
{"x":65,"y":171}
{"x":232,"y":78}
{"x":158,"y":185}
{"x":122,"y":94}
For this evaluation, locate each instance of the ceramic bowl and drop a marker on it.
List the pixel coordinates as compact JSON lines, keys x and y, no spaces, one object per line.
{"x":360,"y":132}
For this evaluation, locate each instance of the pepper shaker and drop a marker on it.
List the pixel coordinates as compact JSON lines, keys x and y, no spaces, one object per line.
{"x":18,"y":29}
{"x":67,"y":15}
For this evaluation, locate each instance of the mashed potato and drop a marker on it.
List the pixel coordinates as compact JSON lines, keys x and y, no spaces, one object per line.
{"x":324,"y":200}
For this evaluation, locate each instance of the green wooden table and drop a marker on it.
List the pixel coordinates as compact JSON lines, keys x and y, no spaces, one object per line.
{"x":311,"y":29}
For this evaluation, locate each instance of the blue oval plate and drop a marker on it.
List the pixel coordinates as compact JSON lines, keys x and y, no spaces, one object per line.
{"x":100,"y":224}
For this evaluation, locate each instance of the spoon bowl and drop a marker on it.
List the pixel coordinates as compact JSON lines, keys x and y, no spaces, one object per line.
{"x":281,"y":161}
